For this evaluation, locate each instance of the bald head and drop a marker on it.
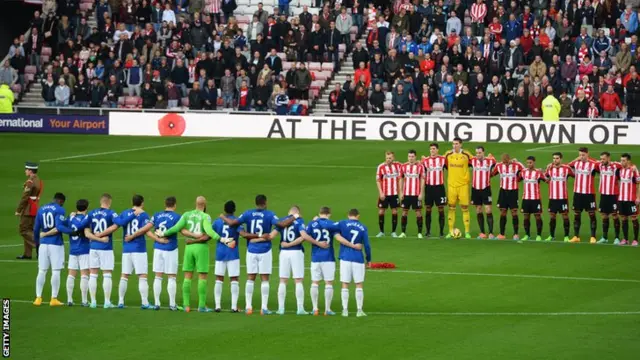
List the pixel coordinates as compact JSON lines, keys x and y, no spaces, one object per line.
{"x":201,"y":203}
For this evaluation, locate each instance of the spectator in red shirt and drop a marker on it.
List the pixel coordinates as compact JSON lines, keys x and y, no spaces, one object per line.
{"x":363,"y":70}
{"x":610,"y":101}
{"x":535,"y":102}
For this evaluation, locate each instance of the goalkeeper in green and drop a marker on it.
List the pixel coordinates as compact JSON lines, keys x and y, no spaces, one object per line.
{"x":192,"y":224}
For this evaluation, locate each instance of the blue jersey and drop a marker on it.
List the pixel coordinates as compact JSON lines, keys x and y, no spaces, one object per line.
{"x":223,"y":252}
{"x":292,"y":232}
{"x":46,"y":219}
{"x":258,"y":222}
{"x":98,"y":221}
{"x":164,"y":220}
{"x":78,"y":245}
{"x":322,"y":230}
{"x":132,"y":224}
{"x":357,"y":233}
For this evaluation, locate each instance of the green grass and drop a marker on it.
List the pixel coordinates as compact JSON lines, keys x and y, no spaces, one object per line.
{"x":454,"y":299}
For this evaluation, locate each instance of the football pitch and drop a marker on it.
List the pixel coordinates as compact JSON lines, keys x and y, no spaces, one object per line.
{"x":447,"y":299}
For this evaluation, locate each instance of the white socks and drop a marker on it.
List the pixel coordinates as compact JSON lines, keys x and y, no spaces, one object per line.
{"x":300,"y":296}
{"x":70,"y":284}
{"x":106,"y":287}
{"x":143,"y":288}
{"x":217,"y":294}
{"x":282,"y":294}
{"x":84,"y":287}
{"x":359,"y":298}
{"x":314,"y":296}
{"x":55,"y":283}
{"x":235,"y":293}
{"x":157,"y":289}
{"x":328,"y":297}
{"x":171,"y":289}
{"x":345,"y":299}
{"x":93,"y":287}
{"x":248,"y":295}
{"x":122,"y":290}
{"x":264,"y":290}
{"x":40,"y":280}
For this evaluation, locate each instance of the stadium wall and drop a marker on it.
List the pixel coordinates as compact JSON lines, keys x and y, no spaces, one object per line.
{"x":65,"y":124}
{"x":354,"y":128}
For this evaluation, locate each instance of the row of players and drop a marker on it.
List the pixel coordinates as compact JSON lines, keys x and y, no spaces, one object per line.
{"x":91,"y":251}
{"x":407,"y":185}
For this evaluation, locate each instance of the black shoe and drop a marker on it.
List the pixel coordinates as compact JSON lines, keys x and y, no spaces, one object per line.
{"x":23,"y":257}
{"x":235,"y":310}
{"x":427,"y":235}
{"x":217,"y":310}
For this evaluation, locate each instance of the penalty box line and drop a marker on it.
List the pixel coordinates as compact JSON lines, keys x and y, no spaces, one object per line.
{"x":456,"y":314}
{"x":443,"y":273}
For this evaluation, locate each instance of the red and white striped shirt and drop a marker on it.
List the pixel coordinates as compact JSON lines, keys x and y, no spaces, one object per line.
{"x":482,"y":172}
{"x":412,"y":174}
{"x":629,"y":178}
{"x":389,"y":177}
{"x":558,"y":176}
{"x":531,"y":180}
{"x":609,"y":178}
{"x":434,"y":170}
{"x":585,"y":174}
{"x":508,"y":174}
{"x":478,"y":12}
{"x":212,"y":6}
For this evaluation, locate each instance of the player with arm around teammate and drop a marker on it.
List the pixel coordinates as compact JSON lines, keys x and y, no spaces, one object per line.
{"x":434,"y":192}
{"x":531,"y":204}
{"x":508,"y":169}
{"x":227,"y":258}
{"x":609,"y":193}
{"x":584,"y":198}
{"x":354,"y":236}
{"x":411,"y":196}
{"x":388,"y":175}
{"x":51,"y":248}
{"x":628,"y":198}
{"x":482,"y":166}
{"x":259,"y":222}
{"x":165,"y":253}
{"x":192,"y":224}
{"x":557,"y":174}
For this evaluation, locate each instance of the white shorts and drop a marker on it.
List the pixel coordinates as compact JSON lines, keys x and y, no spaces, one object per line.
{"x":291,"y":261}
{"x":78,"y":262}
{"x":351,"y":271}
{"x":51,"y":256}
{"x":231,"y":266}
{"x":325,"y":270}
{"x":259,"y":263}
{"x":137,"y":262}
{"x":101,"y":259}
{"x":165,"y":261}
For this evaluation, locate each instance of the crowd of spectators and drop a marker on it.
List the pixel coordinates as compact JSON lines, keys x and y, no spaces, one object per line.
{"x":461,"y":56}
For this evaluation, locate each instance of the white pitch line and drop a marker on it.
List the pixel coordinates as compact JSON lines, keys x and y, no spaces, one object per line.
{"x":135,"y":149}
{"x":547,"y":147}
{"x":244,"y":165}
{"x":445,"y":273}
{"x":10,"y":245}
{"x":478,"y":314}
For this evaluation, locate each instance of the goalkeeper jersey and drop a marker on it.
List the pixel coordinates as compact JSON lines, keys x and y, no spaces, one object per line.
{"x":458,"y":168}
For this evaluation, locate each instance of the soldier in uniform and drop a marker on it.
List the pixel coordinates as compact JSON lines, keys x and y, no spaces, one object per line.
{"x":28,"y":208}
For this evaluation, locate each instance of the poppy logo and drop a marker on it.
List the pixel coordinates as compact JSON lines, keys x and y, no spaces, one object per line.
{"x":171,"y":125}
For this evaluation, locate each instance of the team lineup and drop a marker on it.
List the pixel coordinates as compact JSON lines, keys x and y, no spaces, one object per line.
{"x":91,"y":252}
{"x":420,"y":183}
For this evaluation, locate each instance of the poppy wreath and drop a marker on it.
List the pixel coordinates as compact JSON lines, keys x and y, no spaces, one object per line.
{"x":171,"y":125}
{"x":382,"y":265}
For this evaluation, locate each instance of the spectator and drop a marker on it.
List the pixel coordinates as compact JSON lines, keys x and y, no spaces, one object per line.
{"x":274,"y":62}
{"x":281,"y":103}
{"x":360,"y":55}
{"x":537,"y":68}
{"x":62,"y":94}
{"x":227,"y":7}
{"x":98,"y":92}
{"x":173,"y":95}
{"x":16,"y":47}
{"x":593,"y":112}
{"x":424,"y":101}
{"x":134,"y":79}
{"x":629,"y":19}
{"x":362,"y":71}
{"x":535,"y":102}
{"x":610,"y":102}
{"x":302,"y":81}
{"x":513,"y":57}
{"x":551,"y":107}
{"x":261,"y":94}
{"x":336,"y":99}
{"x":633,"y":95}
{"x":168,"y":16}
{"x":6,"y":99}
{"x":496,"y":106}
{"x":82,"y":92}
{"x":149,"y":96}
{"x":377,"y":99}
{"x":114,"y":91}
{"x":18,"y":63}
{"x":196,"y":98}
{"x":161,"y":103}
{"x":580,"y":105}
{"x":565,"y":105}
{"x":400,"y":100}
{"x":180,"y":77}
{"x":478,"y":14}
{"x":521,"y":103}
{"x":465,"y":101}
{"x":244,"y":97}
{"x":361,"y":97}
{"x":8,"y":75}
{"x":480,"y":104}
{"x":228,"y":87}
{"x":343,"y":24}
{"x":447,"y":93}
{"x":333,"y":43}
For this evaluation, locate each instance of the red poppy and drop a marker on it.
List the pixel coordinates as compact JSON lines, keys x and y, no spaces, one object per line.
{"x":171,"y":125}
{"x":382,"y":265}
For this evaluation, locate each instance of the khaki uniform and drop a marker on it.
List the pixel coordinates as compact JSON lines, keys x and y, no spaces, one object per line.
{"x":27,"y":209}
